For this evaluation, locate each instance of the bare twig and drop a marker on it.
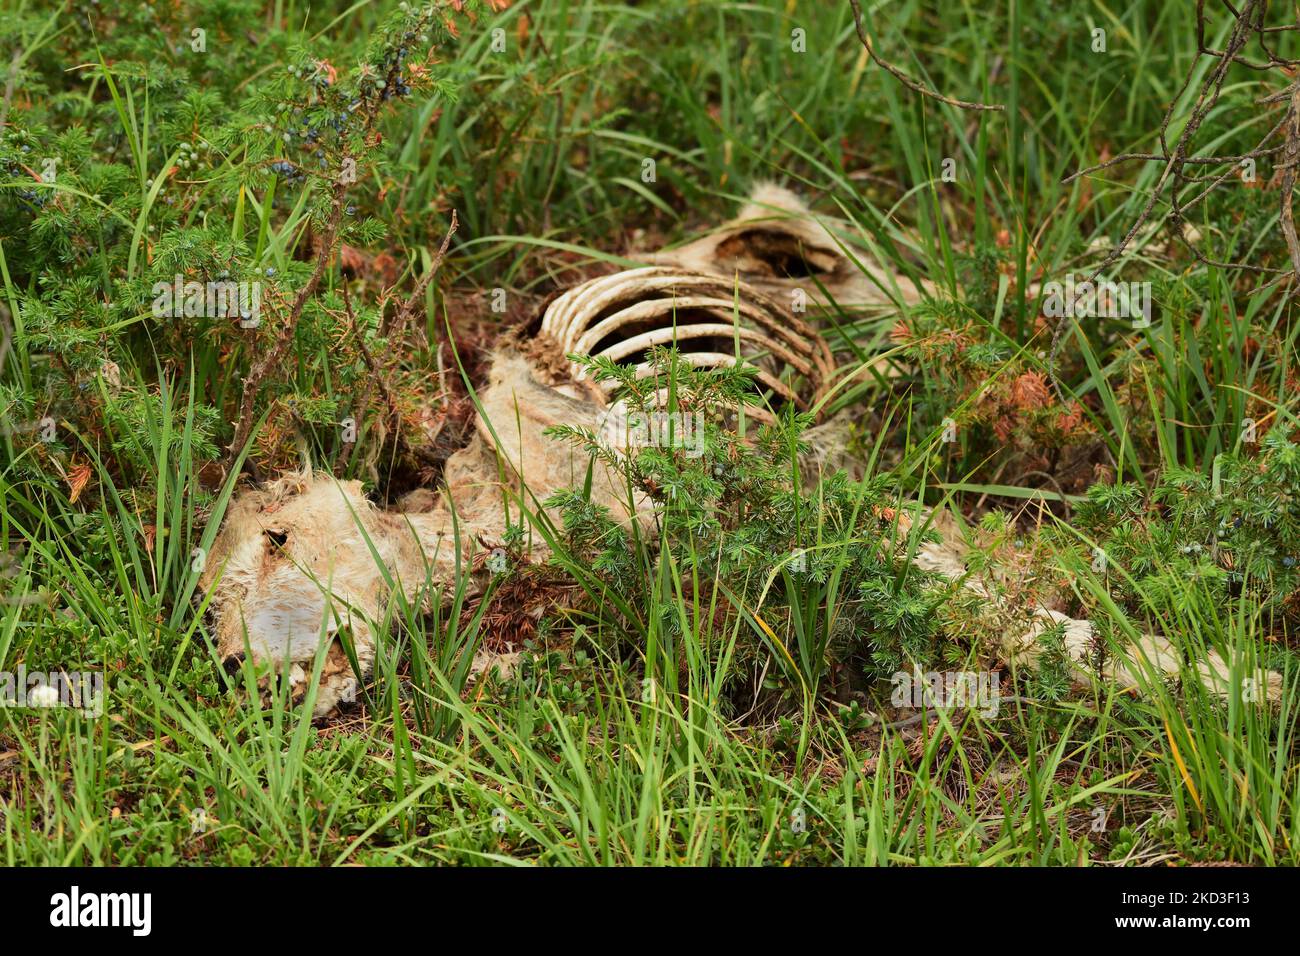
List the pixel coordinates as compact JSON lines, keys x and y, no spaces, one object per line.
{"x":9,"y":86}
{"x":328,"y":246}
{"x":1292,"y":155}
{"x":273,"y":356}
{"x":404,"y":313}
{"x":1249,"y":23}
{"x":409,"y":307}
{"x":906,"y":80}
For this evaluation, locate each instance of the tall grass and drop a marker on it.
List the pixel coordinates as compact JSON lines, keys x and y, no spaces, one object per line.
{"x":617,"y":740}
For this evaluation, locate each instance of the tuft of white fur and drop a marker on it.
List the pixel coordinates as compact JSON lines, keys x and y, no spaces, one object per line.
{"x":768,"y":199}
{"x":778,"y":217}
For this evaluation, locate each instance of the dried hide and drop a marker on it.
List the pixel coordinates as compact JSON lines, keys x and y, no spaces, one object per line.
{"x":776,"y":245}
{"x":307,"y":556}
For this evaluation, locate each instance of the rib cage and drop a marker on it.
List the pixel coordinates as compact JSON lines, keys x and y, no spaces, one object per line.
{"x":622,"y":316}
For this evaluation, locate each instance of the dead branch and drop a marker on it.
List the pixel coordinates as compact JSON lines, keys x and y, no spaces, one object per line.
{"x":405,"y":312}
{"x":1249,"y":23}
{"x":272,"y":358}
{"x":906,"y":80}
{"x":9,"y":86}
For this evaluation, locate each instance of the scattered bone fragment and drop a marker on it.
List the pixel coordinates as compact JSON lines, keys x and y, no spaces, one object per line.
{"x":1143,"y":662}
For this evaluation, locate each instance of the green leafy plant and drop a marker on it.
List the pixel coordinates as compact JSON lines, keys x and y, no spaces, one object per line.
{"x":820,"y":578}
{"x":1234,"y":532}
